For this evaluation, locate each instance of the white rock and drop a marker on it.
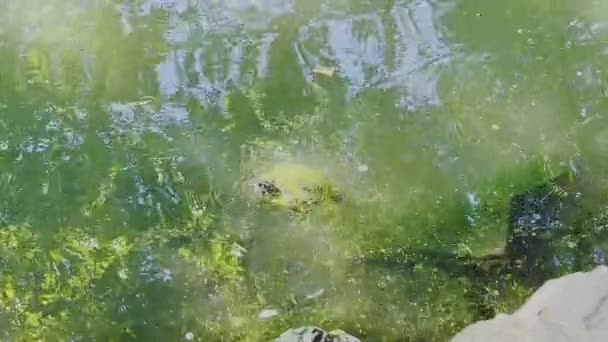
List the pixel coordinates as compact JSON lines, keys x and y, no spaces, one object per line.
{"x":571,"y":308}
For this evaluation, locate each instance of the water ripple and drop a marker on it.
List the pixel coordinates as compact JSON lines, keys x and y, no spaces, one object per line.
{"x":358,"y":45}
{"x":402,"y":47}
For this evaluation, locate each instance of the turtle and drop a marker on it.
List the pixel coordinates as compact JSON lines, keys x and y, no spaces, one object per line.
{"x":294,"y":187}
{"x":276,"y":177}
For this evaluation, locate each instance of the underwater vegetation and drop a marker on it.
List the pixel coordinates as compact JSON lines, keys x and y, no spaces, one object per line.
{"x":216,"y":265}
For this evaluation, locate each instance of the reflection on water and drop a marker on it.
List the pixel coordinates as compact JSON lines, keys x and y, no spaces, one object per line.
{"x":123,"y":126}
{"x":420,"y":51}
{"x":400,"y":47}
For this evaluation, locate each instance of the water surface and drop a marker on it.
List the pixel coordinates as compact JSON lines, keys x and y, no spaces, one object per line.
{"x":123,"y":126}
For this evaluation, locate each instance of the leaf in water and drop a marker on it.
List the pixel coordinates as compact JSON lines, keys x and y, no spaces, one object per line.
{"x":324,"y":70}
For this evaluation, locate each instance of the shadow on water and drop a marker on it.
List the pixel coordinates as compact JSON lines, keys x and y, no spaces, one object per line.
{"x":550,"y":232}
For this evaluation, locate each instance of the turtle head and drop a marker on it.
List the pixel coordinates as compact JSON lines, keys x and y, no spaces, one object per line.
{"x":267,"y":188}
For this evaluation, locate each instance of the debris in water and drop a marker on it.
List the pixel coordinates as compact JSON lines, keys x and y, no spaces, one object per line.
{"x":237,"y":250}
{"x":324,"y":70}
{"x":189,"y":336}
{"x":363,"y":168}
{"x":122,"y":274}
{"x":315,"y":294}
{"x":473,"y":200}
{"x":495,"y":127}
{"x":267,"y":313}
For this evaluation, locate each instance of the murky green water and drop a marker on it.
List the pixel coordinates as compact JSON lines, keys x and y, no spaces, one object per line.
{"x":123,"y":126}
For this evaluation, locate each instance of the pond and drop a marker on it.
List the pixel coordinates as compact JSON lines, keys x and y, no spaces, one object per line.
{"x":130,"y":130}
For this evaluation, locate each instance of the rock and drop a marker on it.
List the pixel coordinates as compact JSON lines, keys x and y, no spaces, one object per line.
{"x":315,"y":334}
{"x":571,"y":308}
